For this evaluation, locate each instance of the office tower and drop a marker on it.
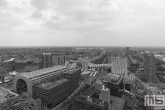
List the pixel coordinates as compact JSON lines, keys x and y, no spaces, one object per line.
{"x":85,"y":64}
{"x":9,"y":64}
{"x":150,"y":68}
{"x":53,"y":93}
{"x":55,"y":60}
{"x":3,"y":73}
{"x":46,"y":60}
{"x":73,"y":76}
{"x":128,"y":50}
{"x":59,"y":60}
{"x":119,"y":65}
{"x":92,"y":99}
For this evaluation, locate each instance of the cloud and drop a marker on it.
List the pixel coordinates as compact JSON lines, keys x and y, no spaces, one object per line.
{"x":39,"y":4}
{"x":3,"y":3}
{"x":37,"y":14}
{"x":83,"y":22}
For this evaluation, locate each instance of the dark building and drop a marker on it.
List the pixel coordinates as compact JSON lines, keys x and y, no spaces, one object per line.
{"x":150,"y":68}
{"x":9,"y":64}
{"x":31,"y":68}
{"x":73,"y":76}
{"x":60,"y":60}
{"x":81,"y":103}
{"x":161,"y":77}
{"x":47,"y":60}
{"x":21,"y":64}
{"x":113,"y":82}
{"x":3,"y":72}
{"x":84,"y":102}
{"x":53,"y":93}
{"x":127,"y":51}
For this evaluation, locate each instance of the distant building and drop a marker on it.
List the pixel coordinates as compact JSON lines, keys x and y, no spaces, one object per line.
{"x":60,"y":60}
{"x":92,"y":99}
{"x":119,"y":65}
{"x":20,"y":64}
{"x":128,"y":50}
{"x":9,"y":64}
{"x":150,"y":68}
{"x":47,"y":60}
{"x":31,"y":68}
{"x":113,"y":82}
{"x":85,"y":64}
{"x":3,"y":73}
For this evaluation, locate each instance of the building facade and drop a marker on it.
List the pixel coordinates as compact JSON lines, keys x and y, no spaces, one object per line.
{"x":85,"y":64}
{"x":9,"y":64}
{"x":150,"y":68}
{"x":46,"y":60}
{"x":119,"y":65}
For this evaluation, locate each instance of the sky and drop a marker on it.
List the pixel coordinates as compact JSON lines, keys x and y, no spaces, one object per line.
{"x":82,"y":22}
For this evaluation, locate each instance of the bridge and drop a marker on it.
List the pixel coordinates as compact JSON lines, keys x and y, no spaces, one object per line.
{"x":99,"y":67}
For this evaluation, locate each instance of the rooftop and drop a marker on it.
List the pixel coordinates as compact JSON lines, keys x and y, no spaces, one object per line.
{"x":113,"y":78}
{"x":50,"y":85}
{"x":21,"y":61}
{"x":42,"y":71}
{"x":11,"y":59}
{"x":85,"y":72}
{"x":116,"y":102}
{"x":31,"y":68}
{"x":70,"y":71}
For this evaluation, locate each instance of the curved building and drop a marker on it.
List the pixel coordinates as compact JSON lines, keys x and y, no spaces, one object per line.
{"x":26,"y":82}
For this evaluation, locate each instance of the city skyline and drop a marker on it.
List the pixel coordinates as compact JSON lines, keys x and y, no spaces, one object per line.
{"x":82,"y":23}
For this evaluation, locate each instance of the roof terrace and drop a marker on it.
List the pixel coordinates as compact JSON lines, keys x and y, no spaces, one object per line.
{"x":50,"y":85}
{"x":113,"y":78}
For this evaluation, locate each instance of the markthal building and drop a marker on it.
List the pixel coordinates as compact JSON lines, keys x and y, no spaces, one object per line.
{"x":51,"y":85}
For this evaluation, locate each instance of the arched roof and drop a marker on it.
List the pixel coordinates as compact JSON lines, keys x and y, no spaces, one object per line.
{"x":27,"y":76}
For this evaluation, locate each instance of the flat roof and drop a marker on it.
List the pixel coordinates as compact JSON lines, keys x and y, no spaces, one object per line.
{"x":42,"y":71}
{"x":70,"y":71}
{"x":95,"y":102}
{"x":86,"y":72}
{"x":117,"y":103}
{"x":50,"y":85}
{"x":113,"y":78}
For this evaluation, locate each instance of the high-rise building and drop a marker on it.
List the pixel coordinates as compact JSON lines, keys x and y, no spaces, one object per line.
{"x":9,"y":64}
{"x":119,"y":65}
{"x":85,"y":65}
{"x":55,"y":60}
{"x":150,"y":68}
{"x":73,"y":76}
{"x":60,"y":60}
{"x":113,"y":82}
{"x":52,"y":93}
{"x":128,"y":50}
{"x":46,"y":60}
